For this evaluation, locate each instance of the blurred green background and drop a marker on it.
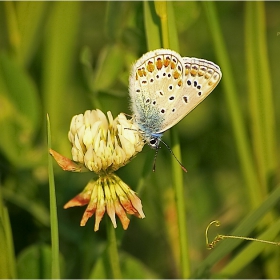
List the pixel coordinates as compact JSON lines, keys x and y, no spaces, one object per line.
{"x":63,"y":58}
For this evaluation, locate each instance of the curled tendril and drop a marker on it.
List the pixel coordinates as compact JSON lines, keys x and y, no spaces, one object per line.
{"x":211,"y":245}
{"x":219,"y":237}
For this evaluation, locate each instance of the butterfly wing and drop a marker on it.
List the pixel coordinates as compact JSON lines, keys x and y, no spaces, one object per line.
{"x":200,"y":77}
{"x":164,"y":88}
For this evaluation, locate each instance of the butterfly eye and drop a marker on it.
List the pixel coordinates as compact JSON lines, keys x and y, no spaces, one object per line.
{"x":154,"y":142}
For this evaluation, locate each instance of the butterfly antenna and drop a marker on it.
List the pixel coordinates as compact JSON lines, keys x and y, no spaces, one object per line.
{"x":155,"y":158}
{"x":182,"y":166}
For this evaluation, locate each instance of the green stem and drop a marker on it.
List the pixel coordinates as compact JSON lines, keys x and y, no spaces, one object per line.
{"x":113,"y":251}
{"x":255,"y":100}
{"x":152,"y":26}
{"x":180,"y":205}
{"x":10,"y":244}
{"x":260,"y":91}
{"x":161,"y":10}
{"x":7,"y":255}
{"x":266,"y":89}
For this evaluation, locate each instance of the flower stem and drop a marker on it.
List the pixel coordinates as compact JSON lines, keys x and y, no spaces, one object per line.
{"x":180,"y":205}
{"x":113,"y":251}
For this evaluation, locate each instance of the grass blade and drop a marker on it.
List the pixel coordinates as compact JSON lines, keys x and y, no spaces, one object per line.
{"x":243,"y":147}
{"x":53,"y":212}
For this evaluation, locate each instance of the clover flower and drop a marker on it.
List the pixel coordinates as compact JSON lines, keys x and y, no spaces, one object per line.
{"x":103,"y":145}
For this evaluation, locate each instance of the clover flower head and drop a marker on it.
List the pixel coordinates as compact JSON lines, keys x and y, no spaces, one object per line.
{"x":102,"y":144}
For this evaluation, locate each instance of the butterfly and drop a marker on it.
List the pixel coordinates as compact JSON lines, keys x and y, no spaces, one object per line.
{"x":164,"y":87}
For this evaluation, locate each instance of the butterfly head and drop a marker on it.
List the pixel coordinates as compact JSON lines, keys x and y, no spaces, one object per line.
{"x":154,"y":140}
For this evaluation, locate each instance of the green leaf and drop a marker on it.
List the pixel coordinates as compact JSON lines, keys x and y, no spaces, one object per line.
{"x":20,"y":107}
{"x":60,"y":39}
{"x":34,"y":207}
{"x":19,"y":89}
{"x":116,"y":18}
{"x":34,"y":262}
{"x":30,"y":16}
{"x":131,"y":268}
{"x":100,"y":269}
{"x":187,"y":12}
{"x":108,"y":67}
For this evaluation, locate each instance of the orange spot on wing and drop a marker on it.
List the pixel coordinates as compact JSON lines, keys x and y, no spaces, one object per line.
{"x":141,"y":72}
{"x":194,"y":70}
{"x":200,"y":73}
{"x":150,"y":66}
{"x":166,"y":62}
{"x":187,"y":70}
{"x":159,"y":63}
{"x":176,"y":74}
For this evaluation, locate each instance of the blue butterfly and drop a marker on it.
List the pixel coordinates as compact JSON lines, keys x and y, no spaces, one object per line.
{"x":164,"y":87}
